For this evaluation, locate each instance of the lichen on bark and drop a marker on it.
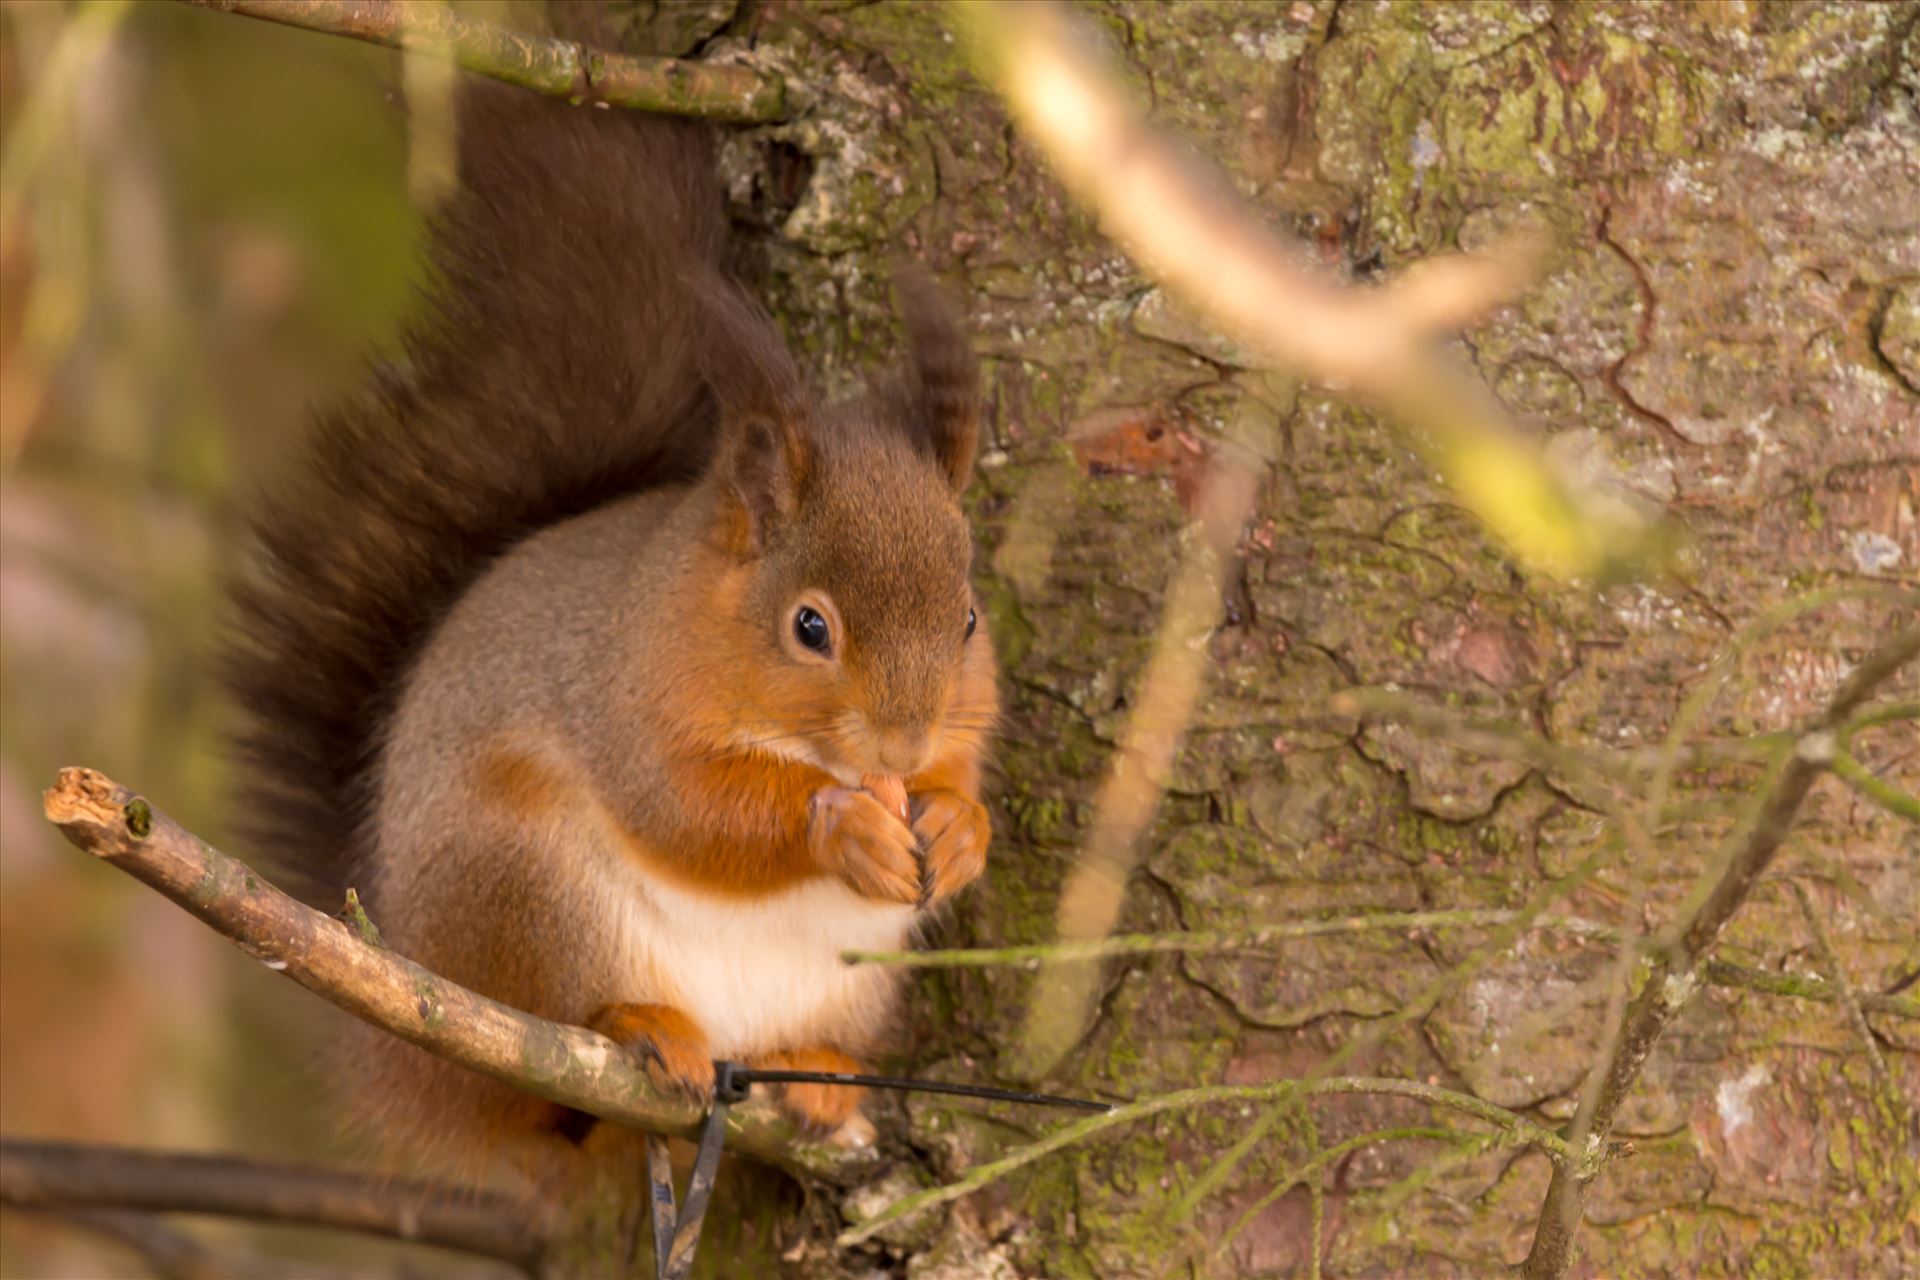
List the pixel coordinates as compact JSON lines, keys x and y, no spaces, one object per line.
{"x":1729,"y":328}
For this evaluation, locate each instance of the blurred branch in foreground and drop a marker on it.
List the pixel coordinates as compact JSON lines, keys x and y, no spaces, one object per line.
{"x":348,"y":966}
{"x":1187,"y":228}
{"x":45,"y":253}
{"x":558,"y":68}
{"x":1092,"y":897}
{"x":63,"y":1177}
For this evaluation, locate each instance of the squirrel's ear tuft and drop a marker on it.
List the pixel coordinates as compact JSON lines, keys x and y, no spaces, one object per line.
{"x":942,"y":406}
{"x":765,"y":456}
{"x":766,"y":462}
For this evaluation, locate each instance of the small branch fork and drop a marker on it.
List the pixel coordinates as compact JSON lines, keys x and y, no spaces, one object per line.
{"x":1680,"y":955}
{"x":558,"y":68}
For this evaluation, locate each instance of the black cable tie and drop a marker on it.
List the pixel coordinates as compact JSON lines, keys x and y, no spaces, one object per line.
{"x":737,"y":1077}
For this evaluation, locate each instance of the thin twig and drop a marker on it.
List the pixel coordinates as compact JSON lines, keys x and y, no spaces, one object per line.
{"x":1254,"y":938}
{"x":558,"y":68}
{"x":1899,"y":803}
{"x":1719,"y":973}
{"x":1511,"y":1124}
{"x":1222,"y":1168}
{"x":1847,"y":766}
{"x":1503,"y":740}
{"x":1676,"y":972}
{"x":65,"y":1175}
{"x":1319,"y":1160}
{"x":1376,"y":1032}
{"x":568,"y":1065}
{"x":1849,"y":1005}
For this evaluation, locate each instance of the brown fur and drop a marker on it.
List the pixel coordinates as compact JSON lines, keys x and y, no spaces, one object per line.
{"x":520,"y":644}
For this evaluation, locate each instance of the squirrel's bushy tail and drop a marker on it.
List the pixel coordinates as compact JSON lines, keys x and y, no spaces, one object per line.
{"x":553,"y":368}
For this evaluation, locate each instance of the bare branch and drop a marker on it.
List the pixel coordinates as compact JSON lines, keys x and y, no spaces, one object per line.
{"x":1676,"y":972}
{"x":557,"y":68}
{"x":567,"y":1065}
{"x":65,"y":1176}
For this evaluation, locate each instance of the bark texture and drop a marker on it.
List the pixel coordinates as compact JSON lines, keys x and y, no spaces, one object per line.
{"x":1731,"y":325}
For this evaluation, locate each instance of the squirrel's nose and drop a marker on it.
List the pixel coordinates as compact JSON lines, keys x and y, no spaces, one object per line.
{"x":902,"y":751}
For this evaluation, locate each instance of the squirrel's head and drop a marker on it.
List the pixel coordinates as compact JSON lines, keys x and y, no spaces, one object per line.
{"x":850,"y":623}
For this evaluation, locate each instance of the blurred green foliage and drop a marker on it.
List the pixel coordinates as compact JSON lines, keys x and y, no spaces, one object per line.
{"x":206,"y":231}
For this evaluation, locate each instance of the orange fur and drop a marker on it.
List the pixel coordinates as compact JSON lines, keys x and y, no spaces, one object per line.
{"x":752,"y":837}
{"x":821,"y":1108}
{"x":519,"y":784}
{"x":670,"y":1043}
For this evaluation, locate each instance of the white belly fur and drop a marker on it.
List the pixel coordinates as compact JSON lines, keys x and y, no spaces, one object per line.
{"x":764,"y":974}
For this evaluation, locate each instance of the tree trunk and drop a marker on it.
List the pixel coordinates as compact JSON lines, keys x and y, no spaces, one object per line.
{"x":1733,"y":325}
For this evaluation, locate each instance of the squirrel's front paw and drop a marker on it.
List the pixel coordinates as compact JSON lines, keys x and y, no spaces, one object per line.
{"x":854,"y":837}
{"x":954,"y":831}
{"x":667,"y":1042}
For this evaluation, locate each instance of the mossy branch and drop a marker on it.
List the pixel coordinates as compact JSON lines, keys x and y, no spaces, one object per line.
{"x":1719,"y":973}
{"x":557,"y":68}
{"x":1255,"y":938}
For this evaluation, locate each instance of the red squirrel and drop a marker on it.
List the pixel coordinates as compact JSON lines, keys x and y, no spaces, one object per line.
{"x":571,"y":643}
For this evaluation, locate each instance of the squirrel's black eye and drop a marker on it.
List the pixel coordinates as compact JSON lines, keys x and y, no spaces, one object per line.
{"x":972,"y":622}
{"x":810,"y":629}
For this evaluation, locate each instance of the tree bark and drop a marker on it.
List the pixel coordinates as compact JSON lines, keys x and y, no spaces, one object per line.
{"x":1728,"y":328}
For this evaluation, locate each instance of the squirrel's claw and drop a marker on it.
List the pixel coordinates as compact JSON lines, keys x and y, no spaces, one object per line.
{"x":667,"y":1042}
{"x":854,"y":837}
{"x":954,"y":831}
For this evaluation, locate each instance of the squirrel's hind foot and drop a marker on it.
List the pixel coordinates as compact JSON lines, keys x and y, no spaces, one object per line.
{"x":671,"y":1045}
{"x":668,"y":1043}
{"x":820,"y":1109}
